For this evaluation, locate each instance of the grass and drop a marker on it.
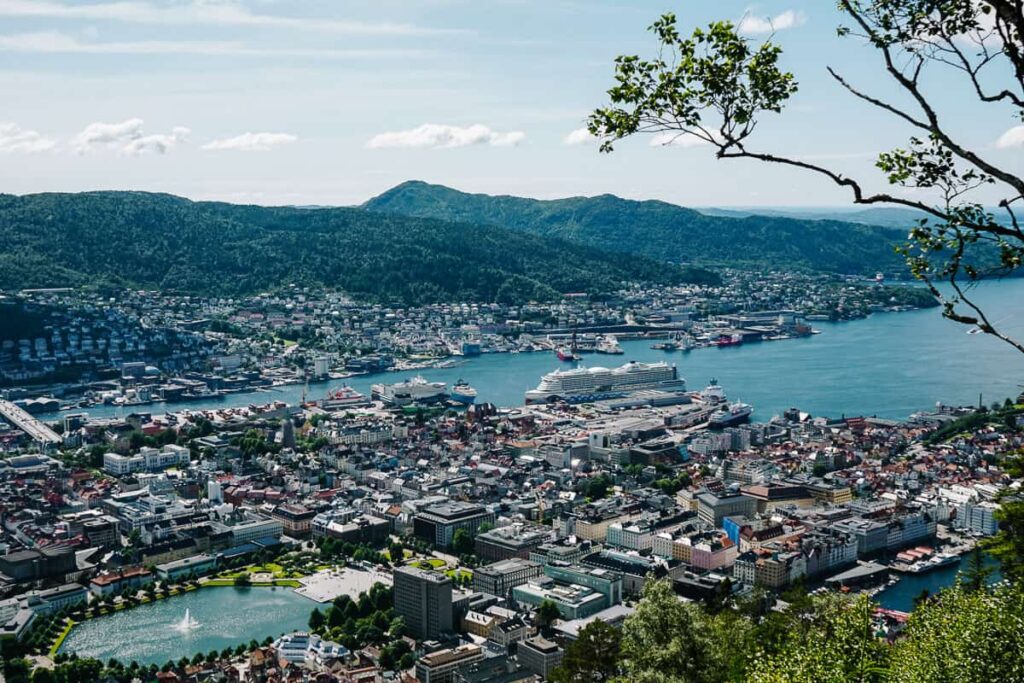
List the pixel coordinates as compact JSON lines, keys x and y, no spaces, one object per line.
{"x":430,"y":564}
{"x":461,"y":573}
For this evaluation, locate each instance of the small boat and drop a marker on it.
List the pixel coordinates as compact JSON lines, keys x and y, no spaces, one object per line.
{"x":665,"y":346}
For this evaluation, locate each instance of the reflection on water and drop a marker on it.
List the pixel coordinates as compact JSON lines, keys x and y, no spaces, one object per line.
{"x":214,"y":618}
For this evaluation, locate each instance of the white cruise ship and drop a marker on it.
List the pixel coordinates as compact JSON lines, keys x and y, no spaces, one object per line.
{"x":598,"y":383}
{"x":416,"y":390}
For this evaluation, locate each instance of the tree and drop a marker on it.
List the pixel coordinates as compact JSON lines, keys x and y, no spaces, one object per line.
{"x":397,"y":552}
{"x":41,"y":675}
{"x":715,"y":87}
{"x":593,"y":657}
{"x":547,"y":613}
{"x":964,"y":636}
{"x":975,"y":576}
{"x":663,"y":640}
{"x":839,"y":645}
{"x":462,"y":542}
{"x":316,"y":620}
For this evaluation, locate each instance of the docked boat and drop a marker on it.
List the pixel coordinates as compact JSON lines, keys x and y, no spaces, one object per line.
{"x":600,"y":383}
{"x":724,"y":340}
{"x":415,"y":390}
{"x":463,"y":393}
{"x":713,"y":393}
{"x":665,"y":346}
{"x":344,"y":397}
{"x":566,"y":354}
{"x":609,"y":345}
{"x":736,"y":413}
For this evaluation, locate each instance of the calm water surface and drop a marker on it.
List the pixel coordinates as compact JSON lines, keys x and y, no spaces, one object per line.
{"x":226,"y":617}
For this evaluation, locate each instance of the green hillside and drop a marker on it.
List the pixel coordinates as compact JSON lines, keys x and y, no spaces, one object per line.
{"x":663,"y":231}
{"x":161,"y":241}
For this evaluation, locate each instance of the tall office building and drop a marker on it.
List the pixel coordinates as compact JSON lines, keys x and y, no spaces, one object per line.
{"x":424,"y":600}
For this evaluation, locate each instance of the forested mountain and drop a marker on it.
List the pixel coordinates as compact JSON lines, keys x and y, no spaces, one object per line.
{"x":663,"y":231}
{"x":161,"y":241}
{"x":886,"y":217}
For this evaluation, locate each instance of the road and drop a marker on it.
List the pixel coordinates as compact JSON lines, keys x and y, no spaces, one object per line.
{"x":28,"y":424}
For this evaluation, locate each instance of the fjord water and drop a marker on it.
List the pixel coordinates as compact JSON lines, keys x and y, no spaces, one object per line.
{"x":221,"y":617}
{"x":889,"y":365}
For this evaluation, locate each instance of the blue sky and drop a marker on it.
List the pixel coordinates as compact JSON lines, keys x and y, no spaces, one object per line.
{"x":333,"y":101}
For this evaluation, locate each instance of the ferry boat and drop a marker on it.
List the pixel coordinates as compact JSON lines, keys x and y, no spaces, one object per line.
{"x":415,"y":390}
{"x":932,"y":563}
{"x":463,"y":393}
{"x":713,"y":393}
{"x":609,"y":345}
{"x":736,"y":413}
{"x":599,"y":383}
{"x":342,"y":398}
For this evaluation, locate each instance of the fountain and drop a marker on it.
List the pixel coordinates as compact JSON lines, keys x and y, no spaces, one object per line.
{"x":187,"y":623}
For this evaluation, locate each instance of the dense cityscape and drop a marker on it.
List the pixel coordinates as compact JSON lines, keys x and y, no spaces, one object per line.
{"x":428,"y":535}
{"x":511,"y":342}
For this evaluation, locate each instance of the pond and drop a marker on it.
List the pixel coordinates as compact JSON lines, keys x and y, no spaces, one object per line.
{"x":217,"y":618}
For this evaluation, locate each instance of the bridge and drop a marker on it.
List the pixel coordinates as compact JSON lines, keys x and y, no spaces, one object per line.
{"x":28,"y":424}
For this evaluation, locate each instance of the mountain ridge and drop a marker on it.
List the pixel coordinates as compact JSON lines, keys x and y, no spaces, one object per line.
{"x":661,"y":230}
{"x":153,"y":240}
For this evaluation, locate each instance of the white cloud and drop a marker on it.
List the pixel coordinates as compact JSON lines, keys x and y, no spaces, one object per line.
{"x":57,"y":42}
{"x":437,"y":135}
{"x":676,"y":139}
{"x":14,"y":138}
{"x":156,"y":144}
{"x":1014,"y":137}
{"x":200,"y":12}
{"x":252,"y":142}
{"x":753,"y":25}
{"x":126,"y":137}
{"x":580,"y":136}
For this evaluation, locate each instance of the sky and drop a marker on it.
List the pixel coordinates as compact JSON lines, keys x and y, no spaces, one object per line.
{"x":330,"y":102}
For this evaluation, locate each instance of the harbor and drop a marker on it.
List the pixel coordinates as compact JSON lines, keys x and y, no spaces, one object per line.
{"x":886,"y":370}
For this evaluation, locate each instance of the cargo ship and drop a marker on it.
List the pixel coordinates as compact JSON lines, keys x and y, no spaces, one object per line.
{"x":600,"y":383}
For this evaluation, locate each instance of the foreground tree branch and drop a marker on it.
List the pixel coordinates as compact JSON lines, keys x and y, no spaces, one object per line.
{"x":715,"y":85}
